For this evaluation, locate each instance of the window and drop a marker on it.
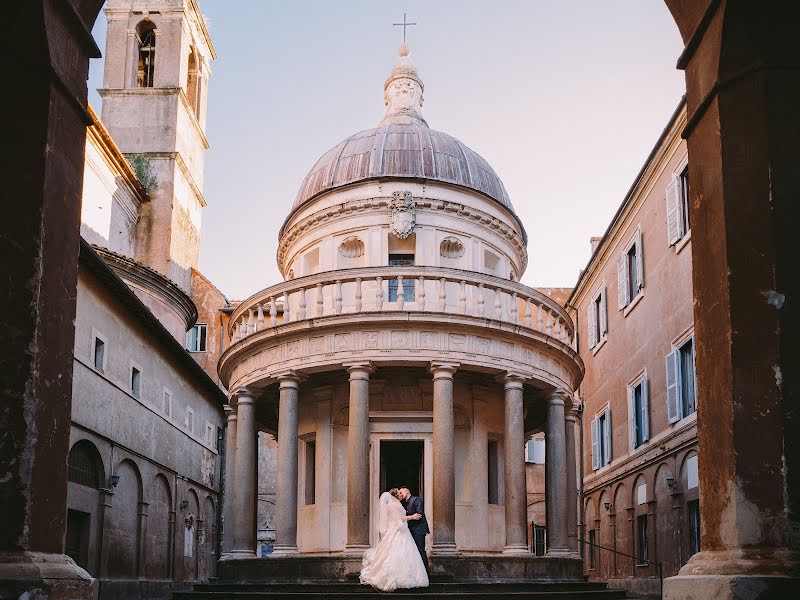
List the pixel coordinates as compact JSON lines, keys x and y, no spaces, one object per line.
{"x":310,"y":472}
{"x":402,"y":260}
{"x":166,"y":403}
{"x":641,"y":539}
{"x":692,"y":476}
{"x":592,"y":552}
{"x":76,"y":541}
{"x":189,"y":420}
{"x":678,"y":219}
{"x":601,"y":439}
{"x":681,"y":385}
{"x":83,"y":465}
{"x":136,"y":382}
{"x":639,"y":412}
{"x":146,"y":43}
{"x":598,"y":318}
{"x":630,"y":271}
{"x":494,"y":474}
{"x":539,"y":540}
{"x":99,"y":354}
{"x":196,"y":338}
{"x":693,"y":513}
{"x":209,"y":434}
{"x":534,"y":451}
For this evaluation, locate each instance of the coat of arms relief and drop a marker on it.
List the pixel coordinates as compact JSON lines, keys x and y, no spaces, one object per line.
{"x":402,"y":215}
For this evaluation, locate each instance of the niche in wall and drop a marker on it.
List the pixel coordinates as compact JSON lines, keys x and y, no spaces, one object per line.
{"x":451,"y":248}
{"x":352,"y":247}
{"x":490,"y":262}
{"x":311,"y":262}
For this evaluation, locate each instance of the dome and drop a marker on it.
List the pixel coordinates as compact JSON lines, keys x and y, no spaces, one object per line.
{"x":402,"y":146}
{"x":402,"y":150}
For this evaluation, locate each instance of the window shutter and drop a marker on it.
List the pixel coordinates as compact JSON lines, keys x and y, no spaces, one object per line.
{"x":632,"y":416}
{"x":622,"y":281}
{"x":595,"y":438}
{"x":645,"y":409}
{"x":603,"y":311}
{"x":640,"y":258}
{"x":673,"y":387}
{"x":590,"y":319}
{"x":694,"y":372}
{"x":673,"y":211}
{"x":607,"y":436}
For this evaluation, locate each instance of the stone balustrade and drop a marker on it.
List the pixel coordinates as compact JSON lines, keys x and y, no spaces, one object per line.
{"x":408,"y":289}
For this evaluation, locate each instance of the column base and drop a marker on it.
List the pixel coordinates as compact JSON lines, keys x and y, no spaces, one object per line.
{"x":444,"y":550}
{"x":355,"y":549}
{"x":234,"y":554}
{"x":284,"y":550}
{"x":562,"y":553}
{"x":516,"y":549}
{"x":45,"y":574}
{"x":751,"y":573}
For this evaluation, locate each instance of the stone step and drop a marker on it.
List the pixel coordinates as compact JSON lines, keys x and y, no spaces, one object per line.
{"x":454,"y":591}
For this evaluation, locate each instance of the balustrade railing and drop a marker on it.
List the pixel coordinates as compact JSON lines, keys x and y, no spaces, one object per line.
{"x":386,"y":289}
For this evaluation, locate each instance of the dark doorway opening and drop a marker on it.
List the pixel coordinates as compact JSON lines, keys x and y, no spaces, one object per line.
{"x":402,"y":465}
{"x":76,"y":543}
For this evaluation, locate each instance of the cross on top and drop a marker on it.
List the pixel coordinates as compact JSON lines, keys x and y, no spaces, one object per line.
{"x":404,"y":25}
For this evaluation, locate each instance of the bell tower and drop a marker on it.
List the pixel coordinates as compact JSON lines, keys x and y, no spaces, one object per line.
{"x":154,"y":94}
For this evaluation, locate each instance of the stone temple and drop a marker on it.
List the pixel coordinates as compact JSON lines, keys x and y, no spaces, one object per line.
{"x":401,"y":349}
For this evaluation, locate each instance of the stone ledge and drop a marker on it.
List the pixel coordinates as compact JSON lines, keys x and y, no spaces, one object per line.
{"x":39,"y":575}
{"x":343,"y":568}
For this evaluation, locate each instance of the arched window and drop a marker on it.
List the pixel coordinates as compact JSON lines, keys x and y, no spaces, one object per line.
{"x":193,"y":82}
{"x":146,"y":42}
{"x":84,"y":466}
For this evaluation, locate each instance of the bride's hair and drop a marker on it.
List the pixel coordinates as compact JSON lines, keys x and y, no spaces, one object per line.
{"x":395,"y":492}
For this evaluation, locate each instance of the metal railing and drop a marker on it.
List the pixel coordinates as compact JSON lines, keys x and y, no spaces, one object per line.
{"x":658,"y":564}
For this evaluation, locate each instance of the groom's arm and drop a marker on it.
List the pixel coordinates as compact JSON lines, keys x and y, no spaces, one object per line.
{"x":419,"y":508}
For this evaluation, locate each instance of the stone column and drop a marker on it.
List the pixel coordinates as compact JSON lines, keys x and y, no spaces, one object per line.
{"x":229,"y":494}
{"x":244,"y":542}
{"x":741,"y":134}
{"x":44,"y":148}
{"x":286,"y":485}
{"x":515,"y":488}
{"x":358,"y":458}
{"x":572,"y":480}
{"x":556,"y":473}
{"x":444,"y":474}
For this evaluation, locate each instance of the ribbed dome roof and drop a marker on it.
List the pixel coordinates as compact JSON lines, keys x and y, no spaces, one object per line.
{"x":403,"y":150}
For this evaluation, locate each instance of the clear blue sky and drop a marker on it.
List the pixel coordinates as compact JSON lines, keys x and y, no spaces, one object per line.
{"x":564,"y":99}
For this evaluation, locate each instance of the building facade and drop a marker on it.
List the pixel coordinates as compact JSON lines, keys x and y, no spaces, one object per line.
{"x":146,"y":444}
{"x":633,"y":309}
{"x":401,"y":350}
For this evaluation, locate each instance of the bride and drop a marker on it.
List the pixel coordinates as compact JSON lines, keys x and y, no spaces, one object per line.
{"x":395,"y":562}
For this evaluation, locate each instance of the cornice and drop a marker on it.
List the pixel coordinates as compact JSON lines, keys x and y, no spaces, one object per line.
{"x":134,"y":272}
{"x":380,"y":204}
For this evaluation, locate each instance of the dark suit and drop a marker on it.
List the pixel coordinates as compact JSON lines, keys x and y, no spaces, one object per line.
{"x":419,"y":529}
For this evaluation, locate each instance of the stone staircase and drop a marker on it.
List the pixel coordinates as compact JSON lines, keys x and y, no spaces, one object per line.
{"x":452,"y":590}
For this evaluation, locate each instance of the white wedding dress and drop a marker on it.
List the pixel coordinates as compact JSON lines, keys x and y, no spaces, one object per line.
{"x":395,"y":562}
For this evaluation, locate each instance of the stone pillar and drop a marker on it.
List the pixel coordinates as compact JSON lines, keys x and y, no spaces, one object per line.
{"x":43,"y":148}
{"x":556,"y":474}
{"x":244,"y":541}
{"x":515,"y":487}
{"x":742,"y":92}
{"x":358,"y":458}
{"x":228,"y":509}
{"x":286,"y":485}
{"x":572,"y":479}
{"x":142,"y":513}
{"x":444,"y":473}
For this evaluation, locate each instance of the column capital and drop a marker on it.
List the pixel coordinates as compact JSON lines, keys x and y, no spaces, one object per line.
{"x":359,"y":370}
{"x":443,"y":370}
{"x":243,"y":395}
{"x":230,"y":412}
{"x":288,"y":379}
{"x":558,"y":396}
{"x":571,"y":413}
{"x":512,"y":380}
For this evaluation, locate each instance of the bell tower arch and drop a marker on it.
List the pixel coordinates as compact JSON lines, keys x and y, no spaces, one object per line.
{"x":155,"y":86}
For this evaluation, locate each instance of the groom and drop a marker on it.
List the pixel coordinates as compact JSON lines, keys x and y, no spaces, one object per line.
{"x":419,"y":526}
